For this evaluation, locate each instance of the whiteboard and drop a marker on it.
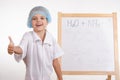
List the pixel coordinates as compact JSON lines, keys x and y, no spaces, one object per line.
{"x":89,"y":42}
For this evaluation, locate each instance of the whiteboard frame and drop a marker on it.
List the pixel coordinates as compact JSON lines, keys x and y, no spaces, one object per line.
{"x":116,"y":62}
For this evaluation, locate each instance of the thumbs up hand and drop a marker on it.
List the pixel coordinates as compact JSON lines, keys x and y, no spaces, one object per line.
{"x":10,"y":46}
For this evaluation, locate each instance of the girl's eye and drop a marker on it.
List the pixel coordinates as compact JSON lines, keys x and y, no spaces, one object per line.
{"x":42,"y":18}
{"x":34,"y":18}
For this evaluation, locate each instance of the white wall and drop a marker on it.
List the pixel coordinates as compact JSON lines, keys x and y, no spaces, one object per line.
{"x":13,"y":18}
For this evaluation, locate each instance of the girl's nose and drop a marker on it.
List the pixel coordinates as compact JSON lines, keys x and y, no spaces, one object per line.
{"x":38,"y":19}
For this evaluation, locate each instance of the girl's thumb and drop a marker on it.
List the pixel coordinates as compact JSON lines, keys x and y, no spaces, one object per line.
{"x":10,"y":39}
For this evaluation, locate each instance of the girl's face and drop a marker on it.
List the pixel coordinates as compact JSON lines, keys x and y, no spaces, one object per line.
{"x":39,"y":23}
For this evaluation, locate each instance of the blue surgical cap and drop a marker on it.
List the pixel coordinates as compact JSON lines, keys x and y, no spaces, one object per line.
{"x":38,"y":10}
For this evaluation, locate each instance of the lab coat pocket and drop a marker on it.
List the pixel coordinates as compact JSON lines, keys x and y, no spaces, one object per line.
{"x":49,"y":52}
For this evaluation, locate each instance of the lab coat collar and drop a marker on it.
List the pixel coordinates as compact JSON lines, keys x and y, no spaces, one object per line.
{"x":47,"y":40}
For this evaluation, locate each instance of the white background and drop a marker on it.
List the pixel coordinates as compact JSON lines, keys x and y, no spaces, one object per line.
{"x":13,"y":19}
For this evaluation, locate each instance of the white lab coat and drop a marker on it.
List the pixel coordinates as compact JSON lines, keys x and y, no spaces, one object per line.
{"x":38,"y":56}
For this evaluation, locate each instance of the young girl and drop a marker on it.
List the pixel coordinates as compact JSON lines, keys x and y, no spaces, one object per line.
{"x":38,"y":48}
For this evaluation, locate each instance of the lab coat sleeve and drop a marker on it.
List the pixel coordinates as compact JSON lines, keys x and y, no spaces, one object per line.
{"x":23,"y":45}
{"x":58,"y":52}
